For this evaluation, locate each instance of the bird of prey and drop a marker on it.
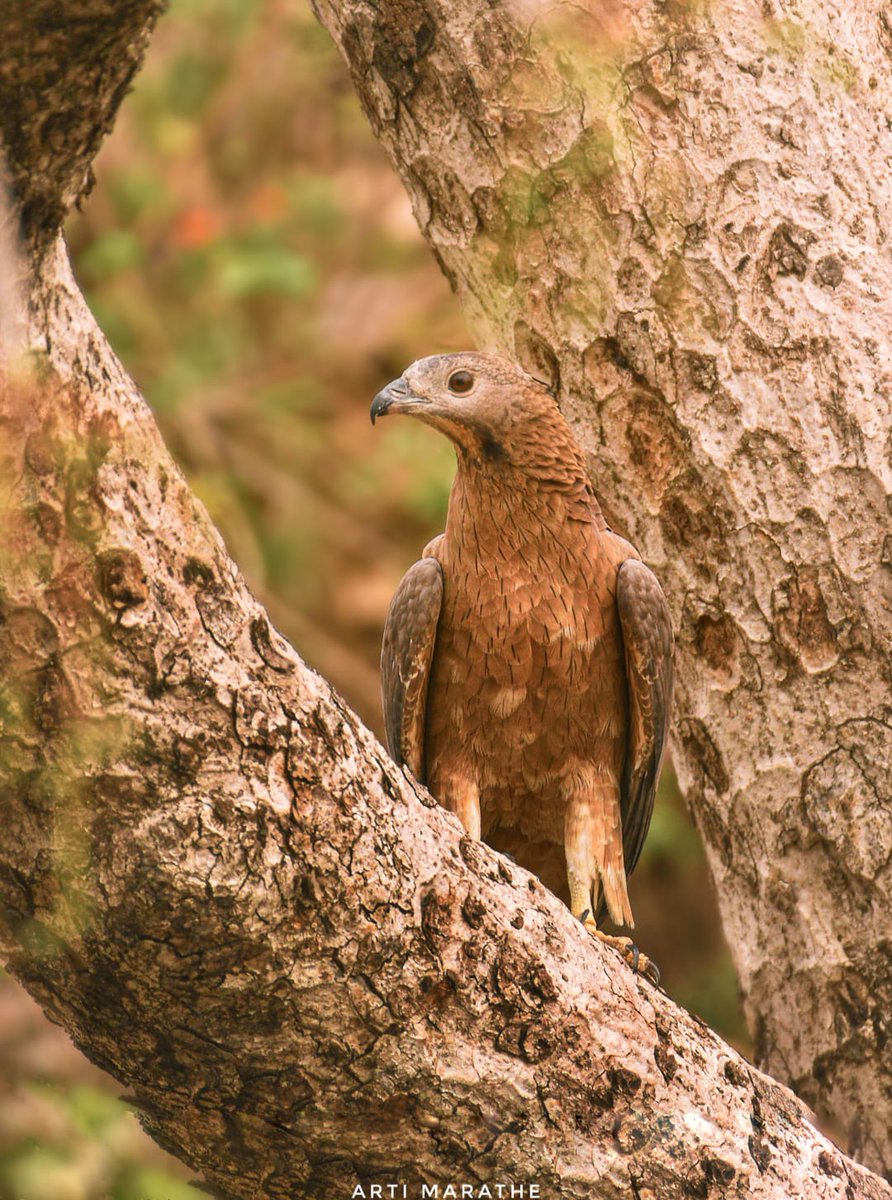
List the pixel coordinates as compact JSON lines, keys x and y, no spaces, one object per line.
{"x":527,"y":657}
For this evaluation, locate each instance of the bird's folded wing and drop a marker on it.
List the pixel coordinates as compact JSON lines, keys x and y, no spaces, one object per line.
{"x":409,"y":636}
{"x":647,"y":638}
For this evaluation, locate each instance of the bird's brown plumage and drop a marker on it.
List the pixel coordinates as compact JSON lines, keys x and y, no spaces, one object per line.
{"x":527,"y":657}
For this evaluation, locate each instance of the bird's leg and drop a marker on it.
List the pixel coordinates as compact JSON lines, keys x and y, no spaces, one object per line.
{"x":588,"y":859}
{"x":461,"y":795}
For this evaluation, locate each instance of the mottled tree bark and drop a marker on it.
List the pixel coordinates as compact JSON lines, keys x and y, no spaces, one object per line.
{"x":681,"y":211}
{"x":305,"y":973}
{"x":64,"y":68}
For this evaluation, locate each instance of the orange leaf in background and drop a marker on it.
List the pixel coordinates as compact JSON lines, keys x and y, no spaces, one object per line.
{"x":195,"y":226}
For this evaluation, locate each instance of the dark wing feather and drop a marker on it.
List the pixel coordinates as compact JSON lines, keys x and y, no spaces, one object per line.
{"x":406,"y":653}
{"x":647,"y":638}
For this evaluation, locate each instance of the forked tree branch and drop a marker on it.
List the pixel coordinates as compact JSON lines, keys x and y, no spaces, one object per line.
{"x":681,"y":211}
{"x":304,"y":972}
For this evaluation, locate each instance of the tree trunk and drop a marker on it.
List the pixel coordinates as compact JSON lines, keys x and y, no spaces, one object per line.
{"x":219,"y":883}
{"x":680,"y":212}
{"x":308,"y":976}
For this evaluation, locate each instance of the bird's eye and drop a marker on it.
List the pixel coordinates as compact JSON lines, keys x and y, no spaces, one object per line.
{"x":460,"y":382}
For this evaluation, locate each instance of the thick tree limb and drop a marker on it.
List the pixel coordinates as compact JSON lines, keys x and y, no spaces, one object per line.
{"x":305,"y":972}
{"x":682,"y":212}
{"x":214,"y":877}
{"x":64,"y":68}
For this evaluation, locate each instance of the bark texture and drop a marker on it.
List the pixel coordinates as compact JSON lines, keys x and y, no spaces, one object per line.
{"x":305,"y":972}
{"x":64,"y":68}
{"x":680,"y":211}
{"x":216,"y":879}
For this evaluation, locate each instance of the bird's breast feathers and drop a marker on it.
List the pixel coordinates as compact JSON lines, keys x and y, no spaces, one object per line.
{"x":528,"y":675}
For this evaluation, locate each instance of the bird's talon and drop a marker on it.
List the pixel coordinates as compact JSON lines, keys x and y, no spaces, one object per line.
{"x":642,"y":965}
{"x":632,"y":956}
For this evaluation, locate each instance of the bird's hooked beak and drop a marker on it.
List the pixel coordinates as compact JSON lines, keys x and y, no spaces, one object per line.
{"x":396,"y":397}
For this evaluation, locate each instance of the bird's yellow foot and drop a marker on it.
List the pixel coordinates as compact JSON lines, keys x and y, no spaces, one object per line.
{"x":640,"y":963}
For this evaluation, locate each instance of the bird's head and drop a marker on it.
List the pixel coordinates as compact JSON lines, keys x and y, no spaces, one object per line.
{"x":486,"y":404}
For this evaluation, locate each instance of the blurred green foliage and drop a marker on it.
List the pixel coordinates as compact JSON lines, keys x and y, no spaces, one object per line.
{"x":252,"y":258}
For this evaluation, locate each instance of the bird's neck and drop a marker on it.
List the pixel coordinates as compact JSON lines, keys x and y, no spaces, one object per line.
{"x":546,"y":496}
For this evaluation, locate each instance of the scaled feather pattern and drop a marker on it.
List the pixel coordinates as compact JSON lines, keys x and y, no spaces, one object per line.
{"x":527,"y":657}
